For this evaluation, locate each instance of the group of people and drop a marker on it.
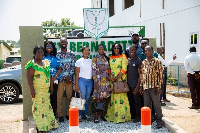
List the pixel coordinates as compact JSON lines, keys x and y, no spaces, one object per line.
{"x":52,"y":72}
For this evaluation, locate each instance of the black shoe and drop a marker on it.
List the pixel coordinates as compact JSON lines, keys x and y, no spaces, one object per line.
{"x":159,"y":124}
{"x":163,"y":104}
{"x":96,"y":121}
{"x":103,"y":119}
{"x":87,"y":118}
{"x":80,"y":119}
{"x":67,"y":117}
{"x":61,"y":119}
{"x":136,"y":120}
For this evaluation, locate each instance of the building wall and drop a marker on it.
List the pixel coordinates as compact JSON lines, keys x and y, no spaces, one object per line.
{"x":4,"y":52}
{"x":15,"y":51}
{"x":180,"y":19}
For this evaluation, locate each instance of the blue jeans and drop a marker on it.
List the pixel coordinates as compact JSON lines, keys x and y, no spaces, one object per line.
{"x":85,"y":86}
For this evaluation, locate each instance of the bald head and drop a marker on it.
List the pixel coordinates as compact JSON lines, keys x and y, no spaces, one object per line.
{"x":159,"y":50}
{"x":63,"y":42}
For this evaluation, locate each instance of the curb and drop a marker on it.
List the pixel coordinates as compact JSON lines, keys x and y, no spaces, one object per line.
{"x":31,"y":124}
{"x":171,"y":126}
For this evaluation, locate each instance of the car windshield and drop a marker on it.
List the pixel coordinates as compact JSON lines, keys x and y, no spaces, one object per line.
{"x":11,"y":59}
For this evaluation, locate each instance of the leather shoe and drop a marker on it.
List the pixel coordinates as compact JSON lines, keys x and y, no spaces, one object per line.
{"x":193,"y":107}
{"x":163,"y":104}
{"x":136,"y":120}
{"x":166,"y":100}
{"x":103,"y":119}
{"x":67,"y":117}
{"x":61,"y":119}
{"x":159,"y":124}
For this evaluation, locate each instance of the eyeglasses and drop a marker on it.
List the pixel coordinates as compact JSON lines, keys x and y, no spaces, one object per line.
{"x":116,"y":48}
{"x":49,"y":46}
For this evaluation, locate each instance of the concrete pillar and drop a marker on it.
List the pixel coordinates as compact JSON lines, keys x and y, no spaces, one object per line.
{"x":30,"y":36}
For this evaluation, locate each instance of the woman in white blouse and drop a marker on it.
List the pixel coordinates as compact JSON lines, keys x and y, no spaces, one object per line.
{"x":83,"y":80}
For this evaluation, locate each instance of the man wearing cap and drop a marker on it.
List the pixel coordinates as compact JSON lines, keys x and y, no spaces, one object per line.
{"x":192,"y":66}
{"x":135,"y":40}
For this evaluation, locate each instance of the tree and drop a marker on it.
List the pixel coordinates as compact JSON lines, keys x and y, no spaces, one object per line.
{"x":65,"y":22}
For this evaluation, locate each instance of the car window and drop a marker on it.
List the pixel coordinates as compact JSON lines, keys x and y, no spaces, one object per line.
{"x":11,"y":59}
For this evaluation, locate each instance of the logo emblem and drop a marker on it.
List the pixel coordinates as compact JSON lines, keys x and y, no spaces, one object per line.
{"x":96,"y":22}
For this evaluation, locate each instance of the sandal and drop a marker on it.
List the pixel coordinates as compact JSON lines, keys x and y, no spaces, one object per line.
{"x":96,"y":121}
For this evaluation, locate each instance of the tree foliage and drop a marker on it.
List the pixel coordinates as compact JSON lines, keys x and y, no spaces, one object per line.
{"x":64,"y":22}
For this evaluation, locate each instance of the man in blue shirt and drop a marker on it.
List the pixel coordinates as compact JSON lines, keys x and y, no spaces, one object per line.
{"x":67,"y":60}
{"x":135,"y":39}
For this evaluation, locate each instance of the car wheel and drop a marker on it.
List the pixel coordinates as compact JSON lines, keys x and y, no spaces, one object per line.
{"x":9,"y":93}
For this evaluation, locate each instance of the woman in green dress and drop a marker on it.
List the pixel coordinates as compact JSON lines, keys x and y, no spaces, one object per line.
{"x":118,"y":108}
{"x":38,"y":76}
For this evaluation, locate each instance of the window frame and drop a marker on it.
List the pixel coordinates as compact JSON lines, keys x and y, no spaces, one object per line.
{"x":190,"y":42}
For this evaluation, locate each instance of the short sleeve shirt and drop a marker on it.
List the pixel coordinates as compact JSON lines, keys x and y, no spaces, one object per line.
{"x":54,"y":64}
{"x":85,"y":68}
{"x":132,"y":71}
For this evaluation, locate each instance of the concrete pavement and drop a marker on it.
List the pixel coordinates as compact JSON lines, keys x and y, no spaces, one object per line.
{"x":177,"y":118}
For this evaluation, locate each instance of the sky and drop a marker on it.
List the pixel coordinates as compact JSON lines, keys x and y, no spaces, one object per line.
{"x":15,"y":13}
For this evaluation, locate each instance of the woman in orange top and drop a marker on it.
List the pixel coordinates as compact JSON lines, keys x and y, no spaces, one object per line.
{"x":118,"y":108}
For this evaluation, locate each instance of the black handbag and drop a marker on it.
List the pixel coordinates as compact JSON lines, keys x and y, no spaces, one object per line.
{"x":98,"y":106}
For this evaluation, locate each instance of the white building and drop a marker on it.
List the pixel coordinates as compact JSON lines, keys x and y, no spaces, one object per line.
{"x":174,"y":23}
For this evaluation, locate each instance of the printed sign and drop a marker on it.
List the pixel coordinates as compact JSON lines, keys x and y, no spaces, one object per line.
{"x":76,"y":44}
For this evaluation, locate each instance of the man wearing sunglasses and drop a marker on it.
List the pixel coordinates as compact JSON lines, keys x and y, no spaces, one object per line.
{"x":145,"y":42}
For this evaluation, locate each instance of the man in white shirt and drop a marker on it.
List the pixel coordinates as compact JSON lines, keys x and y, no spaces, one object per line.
{"x":192,"y":66}
{"x":161,"y":51}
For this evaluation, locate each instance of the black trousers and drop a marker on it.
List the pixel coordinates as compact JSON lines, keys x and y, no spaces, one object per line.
{"x":135,"y":104}
{"x":194,"y":89}
{"x":53,"y":99}
{"x":163,"y":87}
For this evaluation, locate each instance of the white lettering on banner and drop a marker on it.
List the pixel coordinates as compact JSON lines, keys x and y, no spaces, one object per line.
{"x":76,"y":44}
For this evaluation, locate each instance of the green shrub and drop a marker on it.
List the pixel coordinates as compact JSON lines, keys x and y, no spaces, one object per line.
{"x":171,"y":80}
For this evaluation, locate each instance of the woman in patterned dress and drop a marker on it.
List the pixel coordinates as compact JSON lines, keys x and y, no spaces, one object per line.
{"x":38,"y":76}
{"x":100,"y":67}
{"x":118,"y":108}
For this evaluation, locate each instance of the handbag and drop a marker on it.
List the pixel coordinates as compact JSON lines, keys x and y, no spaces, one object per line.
{"x":78,"y":102}
{"x":120,"y":87}
{"x":98,"y":106}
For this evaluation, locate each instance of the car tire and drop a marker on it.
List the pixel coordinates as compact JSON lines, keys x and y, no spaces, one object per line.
{"x":9,"y":93}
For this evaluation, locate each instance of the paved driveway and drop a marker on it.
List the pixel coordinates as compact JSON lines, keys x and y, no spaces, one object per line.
{"x":11,"y":116}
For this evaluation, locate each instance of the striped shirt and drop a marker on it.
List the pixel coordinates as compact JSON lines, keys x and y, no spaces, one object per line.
{"x":151,"y":74}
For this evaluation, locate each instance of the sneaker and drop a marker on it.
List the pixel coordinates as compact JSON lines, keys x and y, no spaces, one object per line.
{"x":87,"y":118}
{"x":80,"y":119}
{"x":61,"y":119}
{"x":67,"y":117}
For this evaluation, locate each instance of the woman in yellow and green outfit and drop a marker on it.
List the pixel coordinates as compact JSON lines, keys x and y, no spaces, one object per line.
{"x":38,"y":76}
{"x":118,"y":108}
